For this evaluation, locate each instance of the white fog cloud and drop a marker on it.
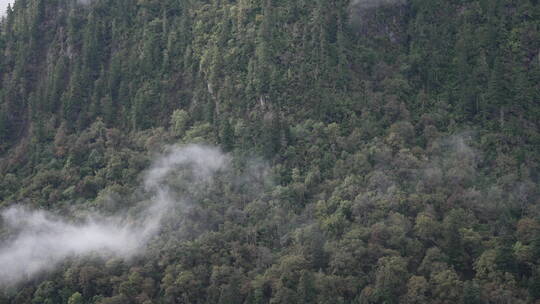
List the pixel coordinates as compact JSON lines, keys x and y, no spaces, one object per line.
{"x":4,"y":5}
{"x":41,"y":240}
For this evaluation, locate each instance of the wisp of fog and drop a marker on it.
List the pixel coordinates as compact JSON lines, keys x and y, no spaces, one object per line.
{"x":41,"y":240}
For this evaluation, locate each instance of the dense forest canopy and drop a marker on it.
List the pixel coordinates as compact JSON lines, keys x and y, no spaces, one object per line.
{"x":370,"y":151}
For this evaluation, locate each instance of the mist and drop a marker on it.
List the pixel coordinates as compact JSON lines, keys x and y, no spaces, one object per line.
{"x":40,"y":240}
{"x":3,"y":6}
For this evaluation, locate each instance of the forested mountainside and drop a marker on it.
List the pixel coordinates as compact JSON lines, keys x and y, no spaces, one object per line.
{"x":371,"y":151}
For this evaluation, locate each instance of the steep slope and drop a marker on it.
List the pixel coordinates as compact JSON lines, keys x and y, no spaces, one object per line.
{"x":396,"y":145}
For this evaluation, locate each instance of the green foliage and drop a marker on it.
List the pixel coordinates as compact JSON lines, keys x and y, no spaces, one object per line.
{"x":76,"y":298}
{"x":179,"y":120}
{"x":400,"y":145}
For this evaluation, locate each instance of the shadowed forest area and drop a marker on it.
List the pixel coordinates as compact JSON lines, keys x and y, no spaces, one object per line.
{"x":308,"y":151}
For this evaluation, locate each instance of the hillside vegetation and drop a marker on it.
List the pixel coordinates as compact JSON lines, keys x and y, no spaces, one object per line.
{"x":381,"y":151}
